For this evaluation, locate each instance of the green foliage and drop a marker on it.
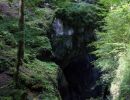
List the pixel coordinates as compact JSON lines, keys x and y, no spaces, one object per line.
{"x":7,"y":29}
{"x":113,"y":50}
{"x":8,"y":38}
{"x":113,"y":2}
{"x":79,"y":15}
{"x":60,"y":3}
{"x":32,"y":3}
{"x":125,"y":83}
{"x":36,"y":28}
{"x":45,"y":73}
{"x":6,"y":98}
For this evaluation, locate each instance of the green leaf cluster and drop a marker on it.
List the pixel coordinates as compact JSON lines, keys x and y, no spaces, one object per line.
{"x":113,"y":48}
{"x":79,"y":15}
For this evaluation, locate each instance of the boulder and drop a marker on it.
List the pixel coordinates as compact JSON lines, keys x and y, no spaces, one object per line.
{"x":7,"y":10}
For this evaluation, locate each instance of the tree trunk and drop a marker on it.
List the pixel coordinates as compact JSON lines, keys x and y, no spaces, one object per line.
{"x":20,"y":53}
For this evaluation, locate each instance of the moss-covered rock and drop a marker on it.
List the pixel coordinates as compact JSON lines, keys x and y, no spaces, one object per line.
{"x":79,"y":15}
{"x":36,"y":76}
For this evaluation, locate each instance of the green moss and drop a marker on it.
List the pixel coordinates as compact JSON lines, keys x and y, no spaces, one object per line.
{"x":42,"y":72}
{"x":34,"y":73}
{"x":18,"y":94}
{"x":6,"y":98}
{"x":79,"y":15}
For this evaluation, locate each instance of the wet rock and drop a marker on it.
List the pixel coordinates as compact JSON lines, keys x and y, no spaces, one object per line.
{"x":5,"y":80}
{"x":4,"y":7}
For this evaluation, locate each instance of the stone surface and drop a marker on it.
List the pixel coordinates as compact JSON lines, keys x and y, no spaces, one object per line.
{"x":8,"y":10}
{"x":4,"y":80}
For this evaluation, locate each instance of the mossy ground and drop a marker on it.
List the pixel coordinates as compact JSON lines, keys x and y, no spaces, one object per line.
{"x":37,"y":78}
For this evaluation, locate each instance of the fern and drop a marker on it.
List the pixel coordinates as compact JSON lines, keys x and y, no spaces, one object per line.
{"x":113,"y":50}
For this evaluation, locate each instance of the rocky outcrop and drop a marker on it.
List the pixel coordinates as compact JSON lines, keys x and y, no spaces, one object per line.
{"x":77,"y":80}
{"x":8,"y":9}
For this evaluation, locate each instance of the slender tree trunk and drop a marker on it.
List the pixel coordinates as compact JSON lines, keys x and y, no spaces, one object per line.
{"x":20,"y":53}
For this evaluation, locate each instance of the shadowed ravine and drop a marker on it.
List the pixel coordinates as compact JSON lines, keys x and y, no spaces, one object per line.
{"x":77,"y":76}
{"x":54,"y":46}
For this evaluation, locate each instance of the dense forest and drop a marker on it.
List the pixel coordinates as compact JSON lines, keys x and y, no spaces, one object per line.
{"x":64,"y":49}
